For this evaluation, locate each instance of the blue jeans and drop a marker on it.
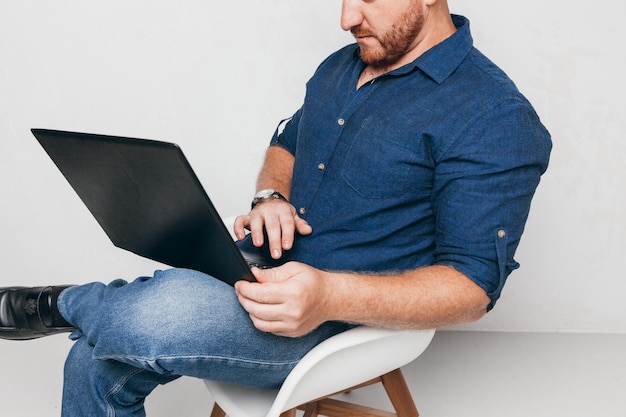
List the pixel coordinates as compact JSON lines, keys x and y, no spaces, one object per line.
{"x":134,"y":336}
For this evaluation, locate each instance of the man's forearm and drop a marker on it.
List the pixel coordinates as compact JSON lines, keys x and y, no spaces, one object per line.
{"x":277,"y":171}
{"x":429,"y":297}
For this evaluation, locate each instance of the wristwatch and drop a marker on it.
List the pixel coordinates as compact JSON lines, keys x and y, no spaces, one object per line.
{"x":268,"y":194}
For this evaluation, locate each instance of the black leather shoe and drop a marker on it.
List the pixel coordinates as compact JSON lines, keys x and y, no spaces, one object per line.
{"x":30,"y":313}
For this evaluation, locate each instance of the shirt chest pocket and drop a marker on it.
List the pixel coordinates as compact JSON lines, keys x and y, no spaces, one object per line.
{"x":382,"y":163}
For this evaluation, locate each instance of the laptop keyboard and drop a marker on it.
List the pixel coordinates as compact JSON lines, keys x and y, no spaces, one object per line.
{"x":260,"y":265}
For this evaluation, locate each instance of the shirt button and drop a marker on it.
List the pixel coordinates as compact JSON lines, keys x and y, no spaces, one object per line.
{"x":341,"y":122}
{"x":302,"y":210}
{"x":321,"y":166}
{"x":501,"y":233}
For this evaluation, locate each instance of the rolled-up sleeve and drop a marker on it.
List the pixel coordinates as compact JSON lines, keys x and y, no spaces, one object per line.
{"x":286,"y":133}
{"x":484,"y":183}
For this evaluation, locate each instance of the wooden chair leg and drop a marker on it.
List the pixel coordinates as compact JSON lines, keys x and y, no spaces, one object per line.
{"x":217,"y":411}
{"x":394,"y":384}
{"x":336,"y":408}
{"x":311,"y":410}
{"x":289,"y":413}
{"x":399,"y":394}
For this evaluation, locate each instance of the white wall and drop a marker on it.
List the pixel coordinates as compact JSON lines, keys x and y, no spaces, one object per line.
{"x":567,"y":57}
{"x":217,"y":76}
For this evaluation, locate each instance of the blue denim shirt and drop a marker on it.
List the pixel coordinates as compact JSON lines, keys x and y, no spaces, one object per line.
{"x":433,"y":163}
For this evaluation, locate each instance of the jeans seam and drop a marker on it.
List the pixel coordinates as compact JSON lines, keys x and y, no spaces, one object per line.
{"x":116,"y":389}
{"x":143,"y":359}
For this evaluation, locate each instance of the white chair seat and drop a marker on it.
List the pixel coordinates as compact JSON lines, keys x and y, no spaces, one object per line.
{"x":340,"y":362}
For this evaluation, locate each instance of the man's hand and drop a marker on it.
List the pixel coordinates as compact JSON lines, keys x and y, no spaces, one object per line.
{"x":279,"y":219}
{"x":289,"y":300}
{"x":294,"y":299}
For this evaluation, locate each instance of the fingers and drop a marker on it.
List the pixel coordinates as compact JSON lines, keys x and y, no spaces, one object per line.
{"x":302,"y":226}
{"x":269,"y":275}
{"x":275,"y":219}
{"x":280,"y":231}
{"x":283,"y":301}
{"x":270,"y":311}
{"x":266,"y":305}
{"x":240,"y":225}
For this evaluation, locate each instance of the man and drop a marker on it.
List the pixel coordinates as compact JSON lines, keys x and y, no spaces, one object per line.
{"x":399,"y":191}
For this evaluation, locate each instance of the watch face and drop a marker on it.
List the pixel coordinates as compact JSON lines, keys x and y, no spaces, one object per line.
{"x":264,"y":193}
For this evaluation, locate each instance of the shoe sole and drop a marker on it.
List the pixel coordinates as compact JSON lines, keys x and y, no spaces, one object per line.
{"x":12,"y":333}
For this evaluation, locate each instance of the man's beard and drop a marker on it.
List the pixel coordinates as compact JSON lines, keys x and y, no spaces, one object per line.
{"x":396,"y":42}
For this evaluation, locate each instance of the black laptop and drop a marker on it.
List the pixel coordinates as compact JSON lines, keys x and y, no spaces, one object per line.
{"x":148,"y":200}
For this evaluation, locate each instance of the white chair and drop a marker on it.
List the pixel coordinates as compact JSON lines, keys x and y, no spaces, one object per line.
{"x":345,"y":362}
{"x":350,"y":360}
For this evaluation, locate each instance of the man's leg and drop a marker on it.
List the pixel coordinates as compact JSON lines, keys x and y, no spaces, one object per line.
{"x":135,"y":336}
{"x":105,"y":387}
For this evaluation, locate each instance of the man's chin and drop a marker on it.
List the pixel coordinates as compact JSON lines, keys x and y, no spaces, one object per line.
{"x":376,"y":59}
{"x":371,"y":56}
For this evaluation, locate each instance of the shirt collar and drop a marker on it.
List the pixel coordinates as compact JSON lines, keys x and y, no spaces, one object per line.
{"x":443,"y":59}
{"x":440,"y":61}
